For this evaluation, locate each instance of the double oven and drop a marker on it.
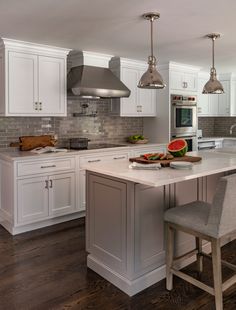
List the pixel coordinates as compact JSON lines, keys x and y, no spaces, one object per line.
{"x":184,"y":119}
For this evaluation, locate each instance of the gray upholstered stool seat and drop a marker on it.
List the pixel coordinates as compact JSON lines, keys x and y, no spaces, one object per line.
{"x":211,"y":222}
{"x":193,"y":215}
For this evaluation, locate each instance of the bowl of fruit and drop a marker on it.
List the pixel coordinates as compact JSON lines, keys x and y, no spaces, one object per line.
{"x":137,"y":139}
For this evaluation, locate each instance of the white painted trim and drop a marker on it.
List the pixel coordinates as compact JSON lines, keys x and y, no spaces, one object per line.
{"x":129,"y":287}
{"x":49,"y":222}
{"x":30,"y":46}
{"x":132,"y":287}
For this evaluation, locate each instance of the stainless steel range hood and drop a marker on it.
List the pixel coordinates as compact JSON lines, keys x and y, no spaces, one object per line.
{"x":95,"y":82}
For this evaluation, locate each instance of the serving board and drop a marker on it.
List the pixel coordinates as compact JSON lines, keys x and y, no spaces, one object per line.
{"x":166,"y":162}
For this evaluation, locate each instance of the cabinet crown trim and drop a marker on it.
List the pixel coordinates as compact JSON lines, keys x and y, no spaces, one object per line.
{"x":29,"y":46}
{"x":171,"y":65}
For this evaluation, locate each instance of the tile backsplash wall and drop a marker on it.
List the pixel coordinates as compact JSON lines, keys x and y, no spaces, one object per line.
{"x":222,"y":126}
{"x":101,"y":127}
{"x":216,"y":126}
{"x":207,"y":126}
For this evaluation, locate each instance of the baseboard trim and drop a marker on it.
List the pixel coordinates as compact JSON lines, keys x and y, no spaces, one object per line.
{"x":132,"y":287}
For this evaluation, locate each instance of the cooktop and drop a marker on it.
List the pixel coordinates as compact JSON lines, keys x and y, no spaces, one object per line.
{"x":94,"y":146}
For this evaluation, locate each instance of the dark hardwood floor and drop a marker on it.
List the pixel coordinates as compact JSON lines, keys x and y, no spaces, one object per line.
{"x":46,"y":269}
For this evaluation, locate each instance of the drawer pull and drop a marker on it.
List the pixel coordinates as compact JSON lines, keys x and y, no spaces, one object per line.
{"x":120,"y":157}
{"x":51,"y":166}
{"x":94,"y":161}
{"x":50,"y":183}
{"x":46,"y":186}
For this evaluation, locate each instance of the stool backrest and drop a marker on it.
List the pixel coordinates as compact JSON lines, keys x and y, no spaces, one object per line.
{"x":222,"y":217}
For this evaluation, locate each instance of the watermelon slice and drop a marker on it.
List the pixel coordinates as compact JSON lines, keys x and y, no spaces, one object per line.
{"x":177,"y":147}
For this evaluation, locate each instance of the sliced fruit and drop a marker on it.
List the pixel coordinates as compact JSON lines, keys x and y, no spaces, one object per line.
{"x":177,"y":147}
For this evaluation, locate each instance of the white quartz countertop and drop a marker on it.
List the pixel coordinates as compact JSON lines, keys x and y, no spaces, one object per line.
{"x":212,"y":163}
{"x":21,"y":155}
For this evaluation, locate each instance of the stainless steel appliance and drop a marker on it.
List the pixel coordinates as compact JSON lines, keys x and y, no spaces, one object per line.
{"x":191,"y":140}
{"x":183,"y":114}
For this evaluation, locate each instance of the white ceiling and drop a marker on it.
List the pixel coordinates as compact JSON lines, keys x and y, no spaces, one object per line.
{"x":115,"y":27}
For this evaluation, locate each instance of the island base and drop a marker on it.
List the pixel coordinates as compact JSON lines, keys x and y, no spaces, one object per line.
{"x":125,"y":235}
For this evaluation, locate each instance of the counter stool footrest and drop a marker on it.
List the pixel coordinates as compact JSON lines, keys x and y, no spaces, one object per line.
{"x":183,"y":257}
{"x":193,"y":281}
{"x":228,"y":283}
{"x":225,"y":263}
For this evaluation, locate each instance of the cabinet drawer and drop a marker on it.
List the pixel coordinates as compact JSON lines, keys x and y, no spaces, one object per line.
{"x":50,"y":165}
{"x":106,"y":157}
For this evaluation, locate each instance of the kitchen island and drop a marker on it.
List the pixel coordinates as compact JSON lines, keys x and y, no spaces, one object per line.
{"x":124,"y":216}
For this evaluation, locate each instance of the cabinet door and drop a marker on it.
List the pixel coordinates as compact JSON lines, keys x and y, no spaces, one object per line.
{"x":203,"y":104}
{"x":52,"y":96}
{"x":224,"y":100}
{"x":213,"y":104}
{"x":22,"y":83}
{"x":190,"y":81}
{"x":147,"y":100}
{"x":130,"y":77}
{"x":176,"y":80}
{"x":32,"y":200}
{"x":62,"y":194}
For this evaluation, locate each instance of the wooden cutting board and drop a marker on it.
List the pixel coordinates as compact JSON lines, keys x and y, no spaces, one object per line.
{"x":166,"y":162}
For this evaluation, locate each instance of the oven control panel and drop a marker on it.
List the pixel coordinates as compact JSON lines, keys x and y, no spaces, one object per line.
{"x":183,"y":100}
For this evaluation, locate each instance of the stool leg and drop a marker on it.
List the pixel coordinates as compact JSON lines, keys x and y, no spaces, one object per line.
{"x":199,"y":256}
{"x":169,"y":256}
{"x":216,"y":261}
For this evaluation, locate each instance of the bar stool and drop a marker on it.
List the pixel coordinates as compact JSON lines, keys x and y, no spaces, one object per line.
{"x":210,"y":222}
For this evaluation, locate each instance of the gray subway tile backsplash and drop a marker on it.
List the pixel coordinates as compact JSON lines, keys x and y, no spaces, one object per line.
{"x":102,"y":127}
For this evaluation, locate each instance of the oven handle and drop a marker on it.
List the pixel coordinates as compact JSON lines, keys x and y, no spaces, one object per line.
{"x":184,"y":105}
{"x":184,"y":136}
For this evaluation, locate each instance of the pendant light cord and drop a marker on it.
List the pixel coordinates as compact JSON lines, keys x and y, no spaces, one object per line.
{"x":151,"y":20}
{"x":213,"y":52}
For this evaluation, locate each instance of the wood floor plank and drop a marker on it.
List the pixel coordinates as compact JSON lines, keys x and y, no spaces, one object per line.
{"x":46,"y":269}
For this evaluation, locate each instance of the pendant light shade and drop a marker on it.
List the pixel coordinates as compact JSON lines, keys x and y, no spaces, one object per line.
{"x":151,"y":78}
{"x":213,"y":86}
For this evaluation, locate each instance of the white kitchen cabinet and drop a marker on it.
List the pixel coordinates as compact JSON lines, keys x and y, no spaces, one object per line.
{"x":32,"y":200}
{"x":61,"y":190}
{"x":183,"y":81}
{"x":42,"y":197}
{"x":141,"y":102}
{"x":33,"y":79}
{"x":52,"y":91}
{"x":213,"y":104}
{"x":38,"y":192}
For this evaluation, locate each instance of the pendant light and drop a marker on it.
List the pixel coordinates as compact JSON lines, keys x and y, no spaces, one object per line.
{"x":151,"y":78}
{"x":213,"y":86}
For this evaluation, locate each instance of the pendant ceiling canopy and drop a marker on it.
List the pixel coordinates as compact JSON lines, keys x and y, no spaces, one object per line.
{"x":151,"y":78}
{"x":213,"y":86}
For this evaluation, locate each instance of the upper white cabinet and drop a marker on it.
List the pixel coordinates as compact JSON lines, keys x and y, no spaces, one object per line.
{"x":183,"y":78}
{"x":141,"y":102}
{"x":213,"y":104}
{"x":33,"y":79}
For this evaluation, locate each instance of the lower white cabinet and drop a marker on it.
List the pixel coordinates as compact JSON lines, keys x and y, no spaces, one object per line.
{"x":42,"y":197}
{"x":32,"y":200}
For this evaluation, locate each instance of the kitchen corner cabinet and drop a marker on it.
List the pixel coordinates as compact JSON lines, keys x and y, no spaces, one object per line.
{"x":37,"y":193}
{"x":141,"y":102}
{"x":33,"y":79}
